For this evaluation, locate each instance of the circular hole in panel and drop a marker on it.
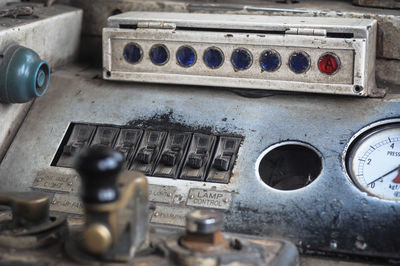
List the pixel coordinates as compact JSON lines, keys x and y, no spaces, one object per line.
{"x":299,"y":62}
{"x":186,"y":56}
{"x":270,"y":60}
{"x":289,"y":165}
{"x":213,"y":57}
{"x":241,"y":59}
{"x":133,"y":53}
{"x":159,"y":54}
{"x":329,"y":63}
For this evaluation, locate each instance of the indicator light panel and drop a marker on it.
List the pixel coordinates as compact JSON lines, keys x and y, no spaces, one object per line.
{"x":292,"y":53}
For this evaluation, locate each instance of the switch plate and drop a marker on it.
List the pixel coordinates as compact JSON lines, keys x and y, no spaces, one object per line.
{"x":127,"y":143}
{"x":105,"y":136}
{"x":148,"y":151}
{"x":173,"y":154}
{"x":198,"y":157}
{"x":80,"y":137}
{"x":224,"y":159}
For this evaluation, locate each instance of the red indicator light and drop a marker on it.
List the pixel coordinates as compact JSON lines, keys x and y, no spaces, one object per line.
{"x":328,"y":64}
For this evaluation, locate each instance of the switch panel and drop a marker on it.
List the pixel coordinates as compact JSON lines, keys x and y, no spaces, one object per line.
{"x":127,"y":143}
{"x":198,"y":157}
{"x":172,"y":156}
{"x":182,"y":154}
{"x":79,"y":138}
{"x":224,"y":159}
{"x":149,"y":149}
{"x":105,"y":136}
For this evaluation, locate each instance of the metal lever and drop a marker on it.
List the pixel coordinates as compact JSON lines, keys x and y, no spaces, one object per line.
{"x":116,"y":208}
{"x":31,"y":225}
{"x":28,"y":208}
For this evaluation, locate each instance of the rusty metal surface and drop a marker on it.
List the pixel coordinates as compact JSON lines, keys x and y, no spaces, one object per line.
{"x":331,"y":214}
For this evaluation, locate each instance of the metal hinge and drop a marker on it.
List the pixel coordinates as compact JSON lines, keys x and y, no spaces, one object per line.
{"x":156,"y":25}
{"x":307,"y":32}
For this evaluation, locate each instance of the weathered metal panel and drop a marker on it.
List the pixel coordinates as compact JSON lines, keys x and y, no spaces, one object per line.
{"x":331,"y":214}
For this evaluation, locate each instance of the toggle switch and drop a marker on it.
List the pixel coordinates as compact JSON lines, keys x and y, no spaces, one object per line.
{"x":199,"y":157}
{"x":23,"y":75}
{"x":224,"y":159}
{"x":148,"y":151}
{"x":105,"y":136}
{"x":172,"y":155}
{"x":127,"y":143}
{"x":80,"y":137}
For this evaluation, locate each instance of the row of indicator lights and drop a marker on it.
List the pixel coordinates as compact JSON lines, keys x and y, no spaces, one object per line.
{"x":241,"y":58}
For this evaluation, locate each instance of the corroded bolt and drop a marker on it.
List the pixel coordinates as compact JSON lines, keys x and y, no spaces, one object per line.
{"x":204,"y":221}
{"x":203,"y":231}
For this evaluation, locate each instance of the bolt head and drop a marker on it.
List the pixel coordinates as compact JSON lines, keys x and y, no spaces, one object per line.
{"x":204,"y":221}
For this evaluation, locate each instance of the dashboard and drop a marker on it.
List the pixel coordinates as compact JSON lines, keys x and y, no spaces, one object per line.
{"x":295,"y":158}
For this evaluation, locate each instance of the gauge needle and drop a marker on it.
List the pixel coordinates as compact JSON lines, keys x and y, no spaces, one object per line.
{"x":388,"y":173}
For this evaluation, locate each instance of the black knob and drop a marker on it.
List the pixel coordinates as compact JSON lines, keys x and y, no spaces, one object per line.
{"x":99,"y":167}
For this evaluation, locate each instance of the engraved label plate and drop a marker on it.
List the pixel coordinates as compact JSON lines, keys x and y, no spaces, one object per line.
{"x":209,"y":199}
{"x":66,"y":203}
{"x":57,"y":182}
{"x":163,"y":194}
{"x":170,"y":215}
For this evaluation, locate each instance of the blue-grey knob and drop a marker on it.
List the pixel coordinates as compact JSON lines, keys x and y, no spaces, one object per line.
{"x":23,"y":75}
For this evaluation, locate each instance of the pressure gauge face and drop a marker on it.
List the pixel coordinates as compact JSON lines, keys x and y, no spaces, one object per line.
{"x":373,"y":161}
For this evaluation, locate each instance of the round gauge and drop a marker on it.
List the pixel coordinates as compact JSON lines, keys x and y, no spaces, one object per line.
{"x":373,"y":162}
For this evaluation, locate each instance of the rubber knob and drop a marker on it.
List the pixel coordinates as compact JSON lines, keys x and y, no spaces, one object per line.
{"x":99,"y":167}
{"x":23,"y":75}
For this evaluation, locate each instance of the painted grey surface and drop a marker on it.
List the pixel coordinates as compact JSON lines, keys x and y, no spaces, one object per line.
{"x":331,"y":214}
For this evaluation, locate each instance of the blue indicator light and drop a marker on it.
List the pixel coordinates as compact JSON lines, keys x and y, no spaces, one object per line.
{"x":241,"y":59}
{"x":213,"y":57}
{"x":186,"y":56}
{"x":133,"y":53}
{"x":159,"y":54}
{"x":270,"y":60}
{"x":299,"y":62}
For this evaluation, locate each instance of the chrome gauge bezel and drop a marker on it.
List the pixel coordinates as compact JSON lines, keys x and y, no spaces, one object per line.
{"x":356,"y":141}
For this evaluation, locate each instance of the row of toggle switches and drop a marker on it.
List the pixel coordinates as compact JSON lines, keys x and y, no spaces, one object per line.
{"x":170,"y":154}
